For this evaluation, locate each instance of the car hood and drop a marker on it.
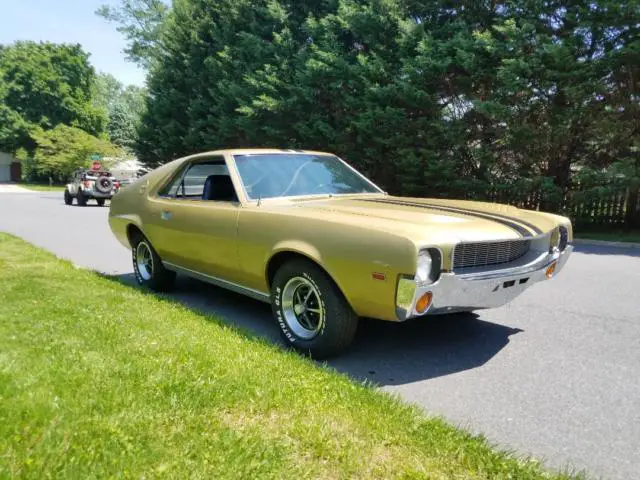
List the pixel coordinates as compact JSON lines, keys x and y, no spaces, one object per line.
{"x":431,"y":220}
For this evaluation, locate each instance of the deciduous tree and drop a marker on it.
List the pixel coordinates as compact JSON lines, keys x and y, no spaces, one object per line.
{"x":63,"y":149}
{"x":141,"y":23}
{"x":124,"y":107}
{"x":44,"y":85}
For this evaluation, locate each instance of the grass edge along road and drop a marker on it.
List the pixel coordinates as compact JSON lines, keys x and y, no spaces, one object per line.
{"x":100,"y":379}
{"x":41,"y":187}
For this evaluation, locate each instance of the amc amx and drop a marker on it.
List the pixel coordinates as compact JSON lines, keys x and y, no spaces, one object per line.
{"x":324,"y":246}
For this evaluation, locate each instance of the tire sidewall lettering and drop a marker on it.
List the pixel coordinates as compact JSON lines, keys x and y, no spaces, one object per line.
{"x":289,"y":335}
{"x":136,"y":271}
{"x":135,"y":265}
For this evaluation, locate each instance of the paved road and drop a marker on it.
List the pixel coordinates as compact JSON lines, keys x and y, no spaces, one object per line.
{"x":555,"y":374}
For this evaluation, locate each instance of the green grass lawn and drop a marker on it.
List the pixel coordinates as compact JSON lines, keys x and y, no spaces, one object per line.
{"x":611,"y":236}
{"x":41,"y":187}
{"x":99,"y":379}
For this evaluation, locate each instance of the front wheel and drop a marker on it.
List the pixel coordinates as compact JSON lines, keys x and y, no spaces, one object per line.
{"x":148,"y":268}
{"x":68,"y":199}
{"x":82,"y":199}
{"x":313,"y":315}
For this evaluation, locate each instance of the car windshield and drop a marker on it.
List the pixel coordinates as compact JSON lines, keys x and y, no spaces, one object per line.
{"x":295,"y":174}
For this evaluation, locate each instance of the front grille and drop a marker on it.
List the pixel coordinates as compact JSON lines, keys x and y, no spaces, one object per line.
{"x":469,"y":255}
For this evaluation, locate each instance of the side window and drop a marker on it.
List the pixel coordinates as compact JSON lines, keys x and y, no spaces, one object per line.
{"x":190,"y":184}
{"x":196,"y":176}
{"x":170,"y":189}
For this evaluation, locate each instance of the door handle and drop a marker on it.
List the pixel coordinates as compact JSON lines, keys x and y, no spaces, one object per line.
{"x":165,"y":215}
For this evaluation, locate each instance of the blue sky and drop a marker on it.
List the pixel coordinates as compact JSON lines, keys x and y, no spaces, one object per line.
{"x":70,"y":21}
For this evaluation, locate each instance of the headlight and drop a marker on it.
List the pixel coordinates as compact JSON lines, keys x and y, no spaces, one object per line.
{"x":424,"y":268}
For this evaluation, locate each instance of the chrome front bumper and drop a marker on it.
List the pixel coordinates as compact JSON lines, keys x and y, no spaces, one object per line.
{"x":475,"y":291}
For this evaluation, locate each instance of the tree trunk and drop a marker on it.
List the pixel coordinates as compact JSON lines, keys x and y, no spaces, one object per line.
{"x":632,"y":217}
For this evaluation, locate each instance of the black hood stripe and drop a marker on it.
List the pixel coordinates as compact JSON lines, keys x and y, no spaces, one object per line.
{"x":517,"y":226}
{"x":530,"y":226}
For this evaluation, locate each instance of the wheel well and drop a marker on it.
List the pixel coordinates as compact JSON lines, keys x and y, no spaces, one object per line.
{"x":133,"y":232}
{"x":281,"y":258}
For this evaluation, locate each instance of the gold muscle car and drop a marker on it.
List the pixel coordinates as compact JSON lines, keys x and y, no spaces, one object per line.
{"x":322,"y":244}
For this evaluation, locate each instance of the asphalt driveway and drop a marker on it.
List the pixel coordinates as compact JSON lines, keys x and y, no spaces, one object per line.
{"x":555,"y":374}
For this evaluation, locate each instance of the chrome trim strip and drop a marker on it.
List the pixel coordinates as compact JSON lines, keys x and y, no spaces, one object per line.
{"x":405,"y":296}
{"x":289,"y":151}
{"x":466,"y":254}
{"x":219,"y":282}
{"x":360,"y":175}
{"x":542,"y":261}
{"x":534,"y":255}
{"x":454,"y":293}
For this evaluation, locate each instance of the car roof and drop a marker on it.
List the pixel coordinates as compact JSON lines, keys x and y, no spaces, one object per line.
{"x":257,"y":151}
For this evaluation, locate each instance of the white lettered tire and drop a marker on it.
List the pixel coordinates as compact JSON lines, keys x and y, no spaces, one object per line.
{"x":148,"y":268}
{"x":311,"y":311}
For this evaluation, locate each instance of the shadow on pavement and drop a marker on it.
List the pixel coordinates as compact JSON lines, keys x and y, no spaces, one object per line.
{"x":607,"y":250}
{"x":383,"y":353}
{"x":388,"y":353}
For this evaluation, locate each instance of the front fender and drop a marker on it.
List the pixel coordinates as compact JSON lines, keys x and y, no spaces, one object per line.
{"x":560,"y":220}
{"x":364,"y":265}
{"x":303,"y":249}
{"x":295,"y":246}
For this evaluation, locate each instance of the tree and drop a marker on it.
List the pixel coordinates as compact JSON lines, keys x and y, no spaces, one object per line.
{"x":141,"y":23}
{"x":14,"y":131}
{"x":429,"y":98}
{"x":123,"y":125}
{"x":564,"y":82}
{"x":124,"y":107}
{"x":44,"y":85}
{"x":63,"y":149}
{"x":107,"y":91}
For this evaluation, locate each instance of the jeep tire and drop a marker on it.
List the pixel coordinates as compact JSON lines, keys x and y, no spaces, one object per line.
{"x":81,"y":199}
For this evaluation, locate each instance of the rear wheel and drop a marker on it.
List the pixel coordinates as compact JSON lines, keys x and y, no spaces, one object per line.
{"x":148,"y":268}
{"x":68,"y":199}
{"x":100,"y":202}
{"x":313,"y":315}
{"x":82,"y":199}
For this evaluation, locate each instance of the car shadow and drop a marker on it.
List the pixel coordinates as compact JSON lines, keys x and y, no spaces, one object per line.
{"x":387,"y":353}
{"x":383,"y":353}
{"x":607,"y":250}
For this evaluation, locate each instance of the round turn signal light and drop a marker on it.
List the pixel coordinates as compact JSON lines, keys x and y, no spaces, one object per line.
{"x":551,"y":270}
{"x":424,"y":302}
